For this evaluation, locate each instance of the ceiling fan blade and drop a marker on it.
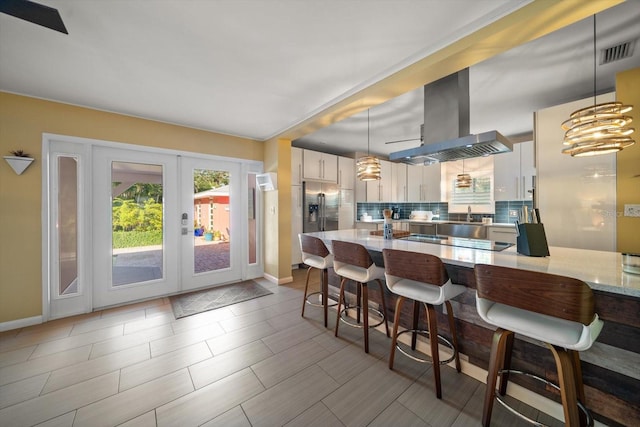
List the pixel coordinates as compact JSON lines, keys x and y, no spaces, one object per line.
{"x":35,"y":13}
{"x":403,"y":140}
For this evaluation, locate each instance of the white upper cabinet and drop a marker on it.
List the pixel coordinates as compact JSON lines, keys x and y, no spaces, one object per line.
{"x":380,"y":190}
{"x":346,"y":173}
{"x":296,"y":166}
{"x":423,"y":183}
{"x":398,"y":182}
{"x":320,"y":166}
{"x":514,"y":173}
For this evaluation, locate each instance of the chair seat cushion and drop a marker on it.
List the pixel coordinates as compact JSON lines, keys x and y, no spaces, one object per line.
{"x":358,"y":274}
{"x":316,"y":261}
{"x":548,"y":329}
{"x":424,"y":292}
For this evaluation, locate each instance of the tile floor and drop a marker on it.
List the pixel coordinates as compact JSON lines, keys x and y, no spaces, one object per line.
{"x":256,"y":363}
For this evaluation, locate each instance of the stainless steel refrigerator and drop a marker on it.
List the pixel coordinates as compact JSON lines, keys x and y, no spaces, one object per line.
{"x":320,"y":206}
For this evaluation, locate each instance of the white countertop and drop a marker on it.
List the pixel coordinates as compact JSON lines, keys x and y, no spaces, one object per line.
{"x":436,"y":221}
{"x":601,"y":270}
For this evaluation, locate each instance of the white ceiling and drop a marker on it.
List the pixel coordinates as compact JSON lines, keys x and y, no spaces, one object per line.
{"x":504,"y":90}
{"x":256,"y":68}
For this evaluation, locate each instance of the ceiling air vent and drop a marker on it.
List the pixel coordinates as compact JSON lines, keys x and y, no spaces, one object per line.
{"x":617,"y":52}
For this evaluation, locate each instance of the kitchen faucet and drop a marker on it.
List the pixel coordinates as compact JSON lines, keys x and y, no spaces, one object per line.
{"x":469,"y":213}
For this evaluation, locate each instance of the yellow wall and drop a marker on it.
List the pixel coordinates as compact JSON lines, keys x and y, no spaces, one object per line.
{"x":23,"y":120}
{"x":628,"y":165}
{"x":277,"y":213}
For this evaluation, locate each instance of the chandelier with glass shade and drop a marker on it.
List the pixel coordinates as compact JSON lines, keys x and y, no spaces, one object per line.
{"x":600,"y":128}
{"x":368,"y":167}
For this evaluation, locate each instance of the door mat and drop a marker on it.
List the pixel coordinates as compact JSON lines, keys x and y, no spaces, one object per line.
{"x":209,"y":299}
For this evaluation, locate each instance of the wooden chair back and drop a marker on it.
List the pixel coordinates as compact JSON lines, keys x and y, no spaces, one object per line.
{"x":313,"y":246}
{"x":558,"y":296}
{"x":423,"y":268}
{"x":351,"y":253}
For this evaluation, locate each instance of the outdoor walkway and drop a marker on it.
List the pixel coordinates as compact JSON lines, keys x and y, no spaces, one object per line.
{"x":137,"y":263}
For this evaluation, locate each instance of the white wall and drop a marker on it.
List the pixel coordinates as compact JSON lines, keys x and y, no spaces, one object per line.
{"x":576,"y":196}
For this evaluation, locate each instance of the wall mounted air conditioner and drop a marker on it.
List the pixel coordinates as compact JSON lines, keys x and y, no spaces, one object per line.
{"x":267,"y":181}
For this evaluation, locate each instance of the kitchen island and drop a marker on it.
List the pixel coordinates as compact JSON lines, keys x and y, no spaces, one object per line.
{"x":610,"y":367}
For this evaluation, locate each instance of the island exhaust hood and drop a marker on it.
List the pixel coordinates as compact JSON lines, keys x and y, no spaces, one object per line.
{"x":446,"y":126}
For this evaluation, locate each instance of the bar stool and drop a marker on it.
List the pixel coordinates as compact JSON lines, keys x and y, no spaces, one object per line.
{"x":316,"y":255}
{"x":556,"y":310}
{"x":351,"y":261}
{"x":422,"y":278}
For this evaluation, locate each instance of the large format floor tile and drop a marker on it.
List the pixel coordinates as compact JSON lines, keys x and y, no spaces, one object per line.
{"x":288,"y":399}
{"x":255,"y":363}
{"x":211,"y":401}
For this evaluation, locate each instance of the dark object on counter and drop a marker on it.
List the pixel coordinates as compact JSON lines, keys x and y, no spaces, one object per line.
{"x":397,"y":234}
{"x":395,"y":212}
{"x":531,"y":240}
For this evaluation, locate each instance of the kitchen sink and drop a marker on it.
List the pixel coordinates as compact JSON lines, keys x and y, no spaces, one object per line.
{"x":462,"y":242}
{"x":471,"y":231}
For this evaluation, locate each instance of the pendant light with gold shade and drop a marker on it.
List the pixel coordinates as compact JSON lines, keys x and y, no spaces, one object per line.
{"x":368,"y":167}
{"x":463,"y":180}
{"x":600,"y":128}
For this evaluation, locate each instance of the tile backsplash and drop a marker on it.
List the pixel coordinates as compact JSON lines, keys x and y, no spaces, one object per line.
{"x":502,"y":215}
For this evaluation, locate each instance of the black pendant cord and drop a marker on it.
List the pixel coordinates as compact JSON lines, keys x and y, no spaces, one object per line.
{"x":594,"y":62}
{"x":368,"y":130}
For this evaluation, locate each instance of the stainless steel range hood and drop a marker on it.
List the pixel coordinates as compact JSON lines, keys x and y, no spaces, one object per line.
{"x":446,"y":126}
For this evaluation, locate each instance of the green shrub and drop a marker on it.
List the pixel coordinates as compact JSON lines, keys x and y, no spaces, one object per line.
{"x":132,"y":239}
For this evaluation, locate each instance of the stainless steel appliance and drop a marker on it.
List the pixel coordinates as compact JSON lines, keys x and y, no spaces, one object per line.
{"x":446,"y":116}
{"x":320,"y":206}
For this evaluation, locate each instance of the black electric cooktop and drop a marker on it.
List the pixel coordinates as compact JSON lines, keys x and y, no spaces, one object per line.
{"x":461,"y":242}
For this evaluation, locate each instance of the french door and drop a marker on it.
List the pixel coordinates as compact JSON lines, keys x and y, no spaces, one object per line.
{"x":126,"y":223}
{"x":211,"y":201}
{"x":135,"y":243}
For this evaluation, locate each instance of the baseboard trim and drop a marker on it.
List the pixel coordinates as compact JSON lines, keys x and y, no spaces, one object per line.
{"x":20,"y":323}
{"x":277,"y":281}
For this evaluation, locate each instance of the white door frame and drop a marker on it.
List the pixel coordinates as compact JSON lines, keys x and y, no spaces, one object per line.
{"x":53,"y":305}
{"x":86,"y":146}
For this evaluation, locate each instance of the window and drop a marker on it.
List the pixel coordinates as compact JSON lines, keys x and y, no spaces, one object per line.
{"x":479,"y":195}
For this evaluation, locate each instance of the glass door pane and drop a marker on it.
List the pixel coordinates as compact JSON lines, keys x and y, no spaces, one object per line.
{"x":137,"y":222}
{"x":212,"y":222}
{"x":135,"y":225}
{"x":66,"y":231}
{"x":252,"y":226}
{"x":67,"y":225}
{"x":212,"y":213}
